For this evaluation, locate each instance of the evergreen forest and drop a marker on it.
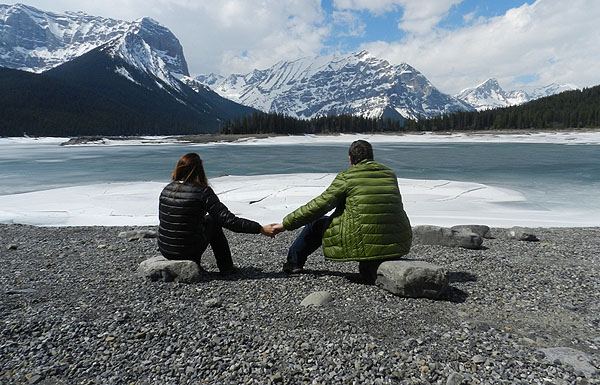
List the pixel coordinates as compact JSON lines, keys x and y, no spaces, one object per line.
{"x":570,"y":109}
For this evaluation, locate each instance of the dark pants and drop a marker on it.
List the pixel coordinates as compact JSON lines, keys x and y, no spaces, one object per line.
{"x":215,"y":237}
{"x":310,"y":239}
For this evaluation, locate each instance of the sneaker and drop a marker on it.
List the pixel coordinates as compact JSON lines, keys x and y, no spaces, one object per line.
{"x":290,"y":268}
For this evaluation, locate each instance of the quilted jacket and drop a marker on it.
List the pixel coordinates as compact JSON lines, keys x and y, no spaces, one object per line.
{"x":181,"y":211}
{"x":369,"y":221}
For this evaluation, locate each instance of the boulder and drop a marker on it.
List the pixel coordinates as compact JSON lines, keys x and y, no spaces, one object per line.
{"x":318,"y":298}
{"x":482,"y":230}
{"x":443,"y":236}
{"x":580,"y":361}
{"x":414,"y":279}
{"x":522,"y":234}
{"x":134,"y":235}
{"x":161,"y":269}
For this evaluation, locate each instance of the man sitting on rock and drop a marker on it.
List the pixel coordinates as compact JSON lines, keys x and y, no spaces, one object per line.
{"x":369,"y":224}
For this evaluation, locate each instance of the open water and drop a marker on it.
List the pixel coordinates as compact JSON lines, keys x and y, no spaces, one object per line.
{"x":555,"y":174}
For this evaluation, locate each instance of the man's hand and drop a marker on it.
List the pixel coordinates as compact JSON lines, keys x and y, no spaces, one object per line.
{"x":278,"y":228}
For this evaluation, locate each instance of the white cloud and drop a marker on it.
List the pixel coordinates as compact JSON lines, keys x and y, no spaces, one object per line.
{"x":417,"y":16}
{"x":349,"y":23}
{"x":223,"y":36}
{"x":546,"y":40}
{"x":557,"y":43}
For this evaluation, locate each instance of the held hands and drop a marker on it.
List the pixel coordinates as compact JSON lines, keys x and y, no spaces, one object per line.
{"x":272,"y":229}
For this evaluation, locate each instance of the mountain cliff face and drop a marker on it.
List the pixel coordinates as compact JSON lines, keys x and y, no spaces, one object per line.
{"x":36,"y":41}
{"x":489,"y":95}
{"x":355,"y":84}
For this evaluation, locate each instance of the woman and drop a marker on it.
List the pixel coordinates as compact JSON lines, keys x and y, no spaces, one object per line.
{"x":192,"y":217}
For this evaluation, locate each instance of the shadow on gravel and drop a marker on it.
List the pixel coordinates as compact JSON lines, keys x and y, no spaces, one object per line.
{"x":461,"y":276}
{"x":251,"y":273}
{"x":454,"y":294}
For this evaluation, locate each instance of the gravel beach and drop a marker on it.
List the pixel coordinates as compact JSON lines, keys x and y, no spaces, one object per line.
{"x":74,"y":311}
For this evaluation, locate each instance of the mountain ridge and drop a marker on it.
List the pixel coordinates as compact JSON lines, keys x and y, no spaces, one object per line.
{"x":355,"y":83}
{"x":490,"y":94}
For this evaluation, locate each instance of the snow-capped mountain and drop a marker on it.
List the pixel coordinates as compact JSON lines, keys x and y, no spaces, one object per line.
{"x":356,"y":84}
{"x":94,"y":75}
{"x":550,"y":89}
{"x":36,"y":41}
{"x":489,"y":95}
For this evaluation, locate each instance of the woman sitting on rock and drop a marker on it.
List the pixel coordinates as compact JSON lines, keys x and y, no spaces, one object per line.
{"x":191,"y":217}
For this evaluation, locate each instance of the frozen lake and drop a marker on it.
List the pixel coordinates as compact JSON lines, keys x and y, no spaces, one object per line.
{"x":500,"y":180}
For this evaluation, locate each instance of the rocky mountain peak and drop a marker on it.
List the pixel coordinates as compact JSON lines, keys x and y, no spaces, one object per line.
{"x":36,"y":40}
{"x":356,"y":83}
{"x":490,"y":94}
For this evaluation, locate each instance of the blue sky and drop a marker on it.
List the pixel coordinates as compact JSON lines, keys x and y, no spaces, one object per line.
{"x":375,"y":26}
{"x":455,"y":44}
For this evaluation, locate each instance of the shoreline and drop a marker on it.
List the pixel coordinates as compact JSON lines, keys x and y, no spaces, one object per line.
{"x":75,"y":310}
{"x":242,"y":138}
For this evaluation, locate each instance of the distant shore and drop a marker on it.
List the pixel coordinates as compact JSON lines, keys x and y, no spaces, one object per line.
{"x":225,"y":138}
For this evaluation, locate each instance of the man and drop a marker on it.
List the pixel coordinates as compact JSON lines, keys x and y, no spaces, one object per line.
{"x":369,"y":223}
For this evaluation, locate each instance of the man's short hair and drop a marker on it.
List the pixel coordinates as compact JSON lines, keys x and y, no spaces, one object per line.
{"x":359,"y":151}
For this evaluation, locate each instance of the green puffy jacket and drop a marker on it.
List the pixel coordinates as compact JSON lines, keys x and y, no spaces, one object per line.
{"x":369,"y":221}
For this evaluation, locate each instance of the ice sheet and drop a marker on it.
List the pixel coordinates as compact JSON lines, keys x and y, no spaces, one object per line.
{"x":267,"y":199}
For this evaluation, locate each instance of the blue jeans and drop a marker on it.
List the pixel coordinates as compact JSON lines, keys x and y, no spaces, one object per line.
{"x":308,"y":241}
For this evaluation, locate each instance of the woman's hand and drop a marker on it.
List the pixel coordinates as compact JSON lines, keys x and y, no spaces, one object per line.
{"x":269,"y":230}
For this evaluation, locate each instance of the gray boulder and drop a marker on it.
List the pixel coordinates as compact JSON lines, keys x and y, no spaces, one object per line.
{"x":161,"y":269}
{"x":581,"y":362}
{"x":443,"y":236}
{"x":414,"y":279}
{"x":134,"y":235}
{"x":522,"y":234}
{"x":318,"y":298}
{"x":482,"y":230}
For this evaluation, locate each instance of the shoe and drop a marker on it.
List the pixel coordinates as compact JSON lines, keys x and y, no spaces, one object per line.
{"x":230,"y":271}
{"x":290,"y":268}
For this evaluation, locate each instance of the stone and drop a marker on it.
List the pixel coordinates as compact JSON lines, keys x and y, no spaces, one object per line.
{"x":213,"y":302}
{"x":579,"y":360}
{"x":161,"y":269}
{"x":522,"y":234}
{"x":318,"y":298}
{"x":455,"y":379}
{"x":12,"y":246}
{"x":482,"y":230}
{"x":35,"y":379}
{"x":478,"y":359}
{"x":443,"y":236}
{"x":415,"y":279}
{"x":134,"y":235}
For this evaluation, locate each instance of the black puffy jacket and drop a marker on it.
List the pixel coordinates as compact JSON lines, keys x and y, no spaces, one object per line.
{"x":181,"y":212}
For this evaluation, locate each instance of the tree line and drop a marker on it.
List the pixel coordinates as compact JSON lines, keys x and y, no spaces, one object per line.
{"x":570,"y":109}
{"x":276,"y":123}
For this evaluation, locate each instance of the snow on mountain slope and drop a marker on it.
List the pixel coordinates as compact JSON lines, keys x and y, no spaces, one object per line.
{"x":356,"y":84}
{"x":489,"y":94}
{"x":36,"y":41}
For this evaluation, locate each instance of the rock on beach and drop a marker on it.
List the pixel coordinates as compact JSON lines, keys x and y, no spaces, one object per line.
{"x":443,"y":236}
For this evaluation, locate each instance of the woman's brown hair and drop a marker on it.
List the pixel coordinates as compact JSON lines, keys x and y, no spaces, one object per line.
{"x":190,"y":169}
